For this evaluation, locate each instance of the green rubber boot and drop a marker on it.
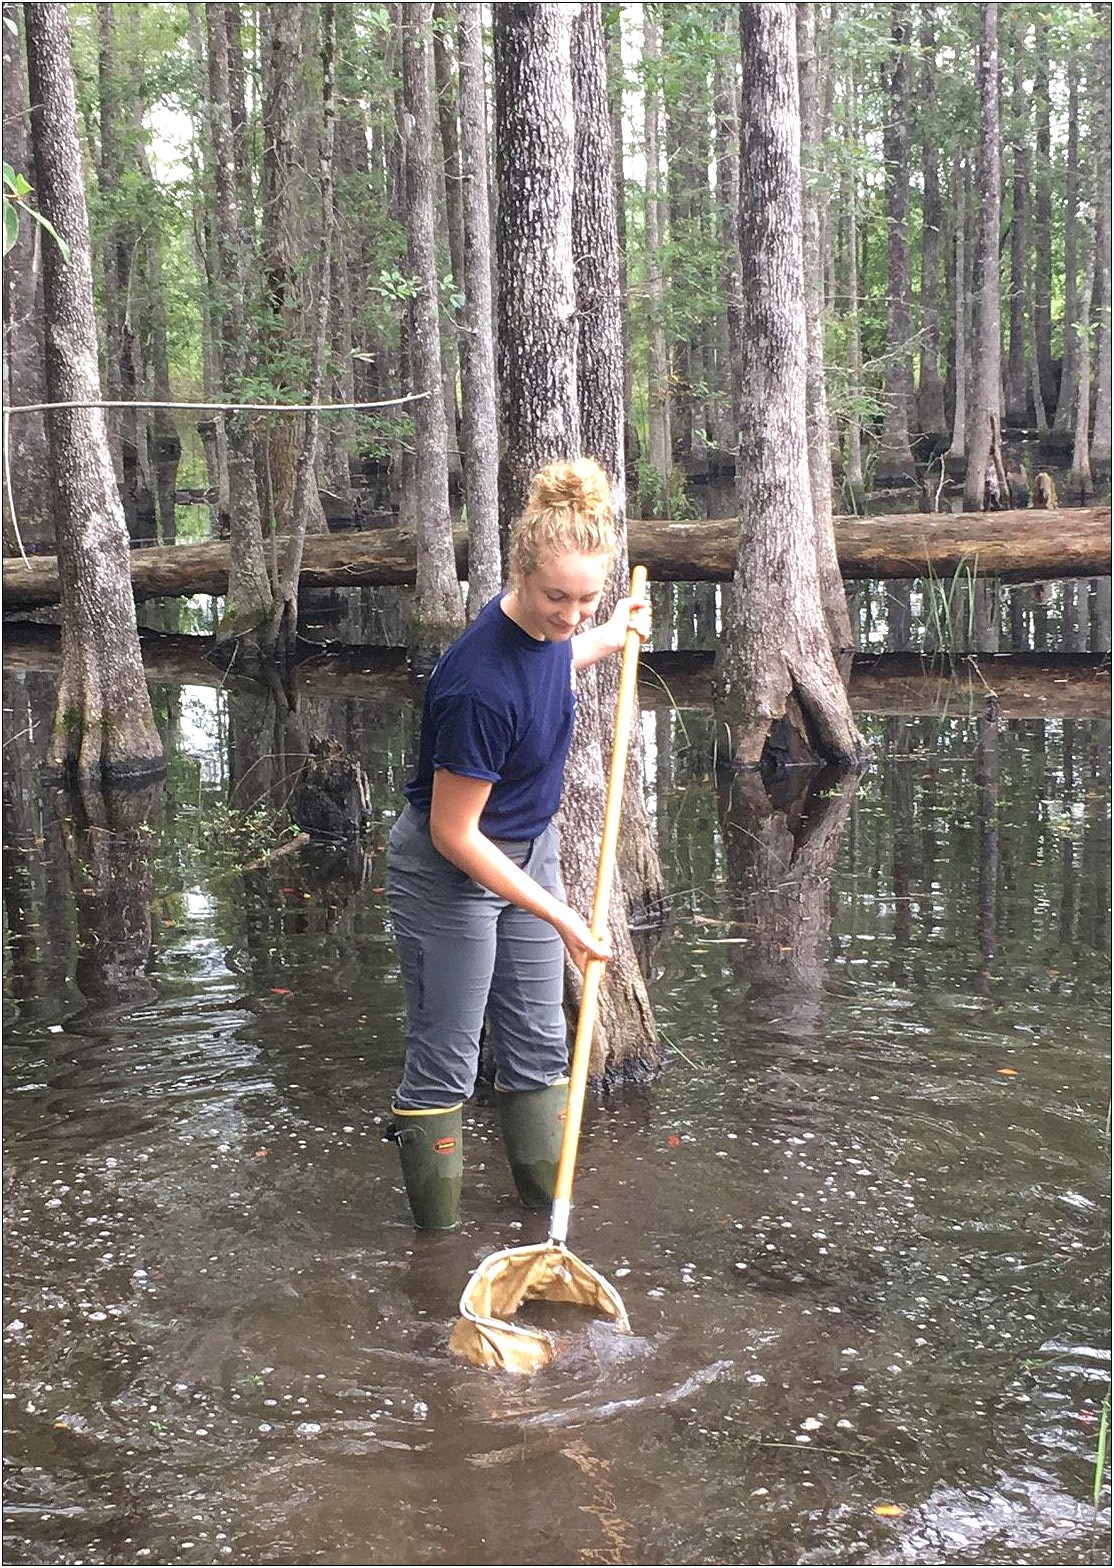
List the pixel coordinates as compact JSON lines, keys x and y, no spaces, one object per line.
{"x":431,"y":1146}
{"x":533,"y":1122}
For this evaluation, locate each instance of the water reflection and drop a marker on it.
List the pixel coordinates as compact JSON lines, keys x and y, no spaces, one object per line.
{"x":858,"y":1221}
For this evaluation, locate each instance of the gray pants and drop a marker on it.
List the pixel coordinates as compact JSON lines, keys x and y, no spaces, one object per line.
{"x":465,"y":953}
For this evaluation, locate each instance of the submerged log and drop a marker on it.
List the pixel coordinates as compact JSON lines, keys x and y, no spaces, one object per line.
{"x":1021,"y":685}
{"x":1025,"y":685}
{"x":1013,"y":546}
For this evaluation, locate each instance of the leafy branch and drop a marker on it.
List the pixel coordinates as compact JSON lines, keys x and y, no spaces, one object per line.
{"x":16,"y":192}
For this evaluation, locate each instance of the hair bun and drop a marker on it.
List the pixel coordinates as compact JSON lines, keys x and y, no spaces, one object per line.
{"x":579,"y":483}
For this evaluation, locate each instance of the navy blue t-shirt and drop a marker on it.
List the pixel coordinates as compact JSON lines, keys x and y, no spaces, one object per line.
{"x":500,"y":706}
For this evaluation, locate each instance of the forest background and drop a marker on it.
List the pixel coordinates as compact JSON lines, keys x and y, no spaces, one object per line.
{"x":890,"y":145}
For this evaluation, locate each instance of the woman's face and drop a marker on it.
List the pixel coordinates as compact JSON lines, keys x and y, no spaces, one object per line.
{"x":557,"y":597}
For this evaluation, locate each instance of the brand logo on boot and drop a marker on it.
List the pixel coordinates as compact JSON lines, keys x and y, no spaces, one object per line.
{"x":444,"y":1146}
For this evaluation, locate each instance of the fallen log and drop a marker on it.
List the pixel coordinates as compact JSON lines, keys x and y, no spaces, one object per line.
{"x":1013,"y":546}
{"x":1025,"y":686}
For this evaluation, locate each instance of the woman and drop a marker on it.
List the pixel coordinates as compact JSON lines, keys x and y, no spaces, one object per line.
{"x":473,"y":881}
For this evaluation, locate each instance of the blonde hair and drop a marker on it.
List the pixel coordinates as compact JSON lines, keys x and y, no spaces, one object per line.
{"x":568,"y":510}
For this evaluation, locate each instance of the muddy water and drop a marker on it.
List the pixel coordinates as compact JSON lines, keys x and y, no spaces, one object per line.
{"x":860,"y":1223}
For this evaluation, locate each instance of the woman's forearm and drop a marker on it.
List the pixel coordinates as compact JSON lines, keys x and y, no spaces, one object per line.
{"x":481,"y":859}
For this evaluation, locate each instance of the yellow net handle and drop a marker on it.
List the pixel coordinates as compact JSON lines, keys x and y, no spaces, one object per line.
{"x":601,"y":904}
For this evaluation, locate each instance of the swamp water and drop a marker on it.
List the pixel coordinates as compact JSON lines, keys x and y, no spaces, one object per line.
{"x":860,"y":1221}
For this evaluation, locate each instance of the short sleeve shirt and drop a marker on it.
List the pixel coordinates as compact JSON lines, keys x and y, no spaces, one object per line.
{"x":500,"y":706}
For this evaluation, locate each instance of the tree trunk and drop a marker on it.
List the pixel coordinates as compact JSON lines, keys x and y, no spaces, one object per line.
{"x":306,"y":502}
{"x":957,"y":451}
{"x":249,"y":598}
{"x":628,"y":1022}
{"x":780,"y":691}
{"x":727,"y":207}
{"x":930,"y":391}
{"x":1100,"y":442}
{"x":453,"y":345}
{"x":1042,"y":217}
{"x":127,"y":426}
{"x":832,"y":597}
{"x":1017,"y":368}
{"x":986,"y":347}
{"x":895,"y":464}
{"x":537,"y":327}
{"x":854,"y":461}
{"x":481,"y":418}
{"x":1064,"y":421}
{"x":615,"y":74}
{"x":238,"y":114}
{"x":286,"y":256}
{"x":26,"y":451}
{"x":103,"y":724}
{"x":164,"y":444}
{"x":439,"y":612}
{"x":660,"y":453}
{"x":1082,"y":483}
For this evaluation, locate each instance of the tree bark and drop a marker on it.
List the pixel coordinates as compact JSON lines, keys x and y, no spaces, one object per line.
{"x":895,"y":465}
{"x":481,"y":415}
{"x":103,"y":724}
{"x":537,"y":327}
{"x":25,"y":439}
{"x":439,"y":611}
{"x":984,"y":395}
{"x":776,"y":661}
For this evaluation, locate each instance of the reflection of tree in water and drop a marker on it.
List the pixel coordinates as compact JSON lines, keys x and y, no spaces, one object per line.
{"x":988,"y":774}
{"x":781,"y":841}
{"x":39,"y":937}
{"x":821,"y":1225}
{"x":109,"y":852}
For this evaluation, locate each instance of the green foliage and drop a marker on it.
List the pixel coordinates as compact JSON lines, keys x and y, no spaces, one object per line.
{"x":160,"y":91}
{"x":230,"y":839}
{"x":16,"y":192}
